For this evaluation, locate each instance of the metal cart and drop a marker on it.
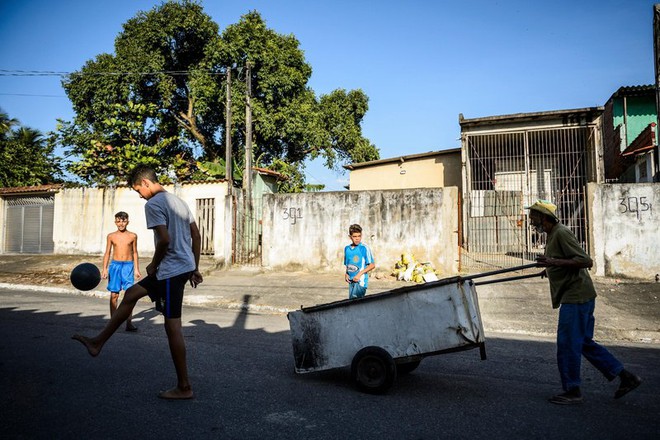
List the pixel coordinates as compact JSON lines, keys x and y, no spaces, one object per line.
{"x":387,"y":334}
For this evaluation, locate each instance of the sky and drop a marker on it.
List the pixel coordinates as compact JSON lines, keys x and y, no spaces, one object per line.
{"x":420,"y":62}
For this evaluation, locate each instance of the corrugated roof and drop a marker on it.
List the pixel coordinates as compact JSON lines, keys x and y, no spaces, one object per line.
{"x":634,"y":90}
{"x":401,"y":158}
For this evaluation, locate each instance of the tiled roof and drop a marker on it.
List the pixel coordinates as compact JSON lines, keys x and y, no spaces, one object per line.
{"x":54,"y":187}
{"x":269,"y":173}
{"x":642,"y":143}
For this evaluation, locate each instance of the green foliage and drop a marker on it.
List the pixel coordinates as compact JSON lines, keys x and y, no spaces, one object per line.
{"x":294,"y":179}
{"x":160,"y":62}
{"x":26,"y":158}
{"x":125,"y":139}
{"x":174,"y":58}
{"x":342,"y":113}
{"x":217,"y":169}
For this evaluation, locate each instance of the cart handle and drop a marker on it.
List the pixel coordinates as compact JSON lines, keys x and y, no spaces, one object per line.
{"x":496,"y":272}
{"x":501,"y":280}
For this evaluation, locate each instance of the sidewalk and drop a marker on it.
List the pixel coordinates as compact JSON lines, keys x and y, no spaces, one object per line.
{"x":625,"y":310}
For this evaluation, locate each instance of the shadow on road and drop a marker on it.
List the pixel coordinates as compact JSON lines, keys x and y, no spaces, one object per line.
{"x":245,"y":385}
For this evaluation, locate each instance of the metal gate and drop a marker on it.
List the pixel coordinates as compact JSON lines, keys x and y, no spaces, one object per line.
{"x":247,"y":230}
{"x":505,"y":172}
{"x":205,"y":221}
{"x":29,"y":225}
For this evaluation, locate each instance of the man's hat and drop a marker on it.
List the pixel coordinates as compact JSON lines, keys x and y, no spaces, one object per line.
{"x":545,"y":207}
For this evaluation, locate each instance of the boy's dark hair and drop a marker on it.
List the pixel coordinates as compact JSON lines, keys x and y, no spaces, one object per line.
{"x":122,"y":215}
{"x":354,"y":228}
{"x":142,"y":172}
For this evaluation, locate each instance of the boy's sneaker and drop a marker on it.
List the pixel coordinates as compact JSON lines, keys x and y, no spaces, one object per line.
{"x":628,"y":383}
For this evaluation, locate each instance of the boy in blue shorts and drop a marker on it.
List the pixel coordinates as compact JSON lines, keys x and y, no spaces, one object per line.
{"x":122,"y":270}
{"x":175,"y":262}
{"x":359,"y":261}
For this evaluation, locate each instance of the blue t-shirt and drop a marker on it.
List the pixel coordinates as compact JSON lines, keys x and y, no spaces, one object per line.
{"x":357,"y":258}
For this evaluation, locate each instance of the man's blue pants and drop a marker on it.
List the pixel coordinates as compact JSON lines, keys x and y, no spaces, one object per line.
{"x":575,"y":332}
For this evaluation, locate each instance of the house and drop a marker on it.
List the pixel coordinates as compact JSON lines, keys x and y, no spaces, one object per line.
{"x":435,"y":169}
{"x":630,"y":150}
{"x":512,"y":160}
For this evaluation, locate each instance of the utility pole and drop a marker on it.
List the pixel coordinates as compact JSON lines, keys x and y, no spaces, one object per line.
{"x":228,"y":150}
{"x":656,"y":63}
{"x":247,"y":175}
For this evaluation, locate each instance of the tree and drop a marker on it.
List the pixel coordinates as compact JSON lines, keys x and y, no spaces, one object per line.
{"x":160,"y":61}
{"x":26,"y":159}
{"x":342,"y":113}
{"x":174,"y":58}
{"x":126,"y":140}
{"x":291,"y":124}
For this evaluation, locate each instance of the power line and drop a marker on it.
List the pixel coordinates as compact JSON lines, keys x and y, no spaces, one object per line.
{"x":4,"y":72}
{"x":30,"y":94}
{"x":31,"y":73}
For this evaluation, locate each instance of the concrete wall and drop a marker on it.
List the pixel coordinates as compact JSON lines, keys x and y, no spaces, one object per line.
{"x":85,"y":216}
{"x":625,"y":229}
{"x":437,"y":171}
{"x":310,"y":230}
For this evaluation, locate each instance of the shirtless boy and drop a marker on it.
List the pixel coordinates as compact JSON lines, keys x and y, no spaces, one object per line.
{"x":122,"y":270}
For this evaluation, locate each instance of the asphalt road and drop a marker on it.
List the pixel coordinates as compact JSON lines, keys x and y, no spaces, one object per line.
{"x":241,"y":367}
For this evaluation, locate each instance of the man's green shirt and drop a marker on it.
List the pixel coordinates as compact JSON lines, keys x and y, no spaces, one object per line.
{"x":567,"y":285}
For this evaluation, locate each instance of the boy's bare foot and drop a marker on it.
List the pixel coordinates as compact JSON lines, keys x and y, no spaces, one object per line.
{"x":176,"y":393}
{"x":91,"y":348}
{"x":131,"y":328}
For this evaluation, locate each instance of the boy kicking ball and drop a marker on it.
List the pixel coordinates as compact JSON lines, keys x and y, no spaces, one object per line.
{"x":174,"y":264}
{"x":122,"y":270}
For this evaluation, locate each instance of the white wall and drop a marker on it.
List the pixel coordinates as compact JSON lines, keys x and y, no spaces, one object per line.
{"x":85,"y":216}
{"x":625,"y":229}
{"x":310,"y":230}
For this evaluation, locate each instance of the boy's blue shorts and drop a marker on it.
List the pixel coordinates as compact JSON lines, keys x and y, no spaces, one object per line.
{"x":121,"y":275}
{"x":356,"y":291}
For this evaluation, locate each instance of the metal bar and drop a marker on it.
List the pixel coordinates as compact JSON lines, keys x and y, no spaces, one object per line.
{"x":501,"y":280}
{"x":496,"y":272}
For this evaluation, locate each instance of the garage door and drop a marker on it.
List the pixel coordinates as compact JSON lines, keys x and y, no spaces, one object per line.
{"x":29,"y":225}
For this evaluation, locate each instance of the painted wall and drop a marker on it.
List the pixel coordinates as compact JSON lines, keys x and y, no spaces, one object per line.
{"x":625,"y":229}
{"x":310,"y":230}
{"x":641,"y":112}
{"x":85,"y":216}
{"x":438,"y":171}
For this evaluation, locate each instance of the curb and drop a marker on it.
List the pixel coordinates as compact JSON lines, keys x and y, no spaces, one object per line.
{"x":602,"y":333}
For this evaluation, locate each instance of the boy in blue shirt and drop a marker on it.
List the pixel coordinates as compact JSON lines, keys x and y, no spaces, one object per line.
{"x":359,"y":261}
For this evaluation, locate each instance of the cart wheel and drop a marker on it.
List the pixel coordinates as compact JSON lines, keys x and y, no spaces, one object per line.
{"x":373,"y":370}
{"x":407,"y":367}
